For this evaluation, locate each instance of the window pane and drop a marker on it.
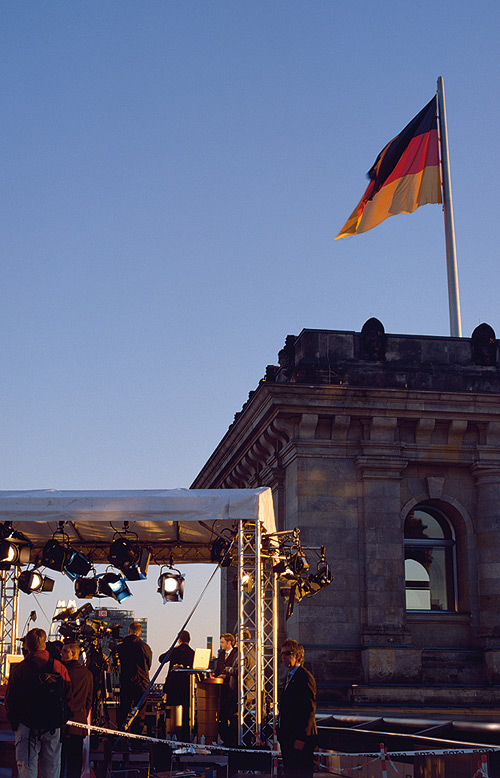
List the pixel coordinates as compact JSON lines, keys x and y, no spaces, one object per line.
{"x":418,"y":595}
{"x":420,"y":524}
{"x":429,"y":571}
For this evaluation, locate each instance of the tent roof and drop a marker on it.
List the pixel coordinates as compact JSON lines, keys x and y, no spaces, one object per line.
{"x":167,"y":520}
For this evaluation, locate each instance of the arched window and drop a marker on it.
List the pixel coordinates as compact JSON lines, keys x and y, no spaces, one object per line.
{"x":429,"y":560}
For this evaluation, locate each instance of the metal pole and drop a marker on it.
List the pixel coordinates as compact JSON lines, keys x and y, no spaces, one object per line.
{"x":449,"y":226}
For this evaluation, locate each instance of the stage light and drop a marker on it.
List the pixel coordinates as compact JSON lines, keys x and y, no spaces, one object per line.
{"x":32,"y":581}
{"x":129,"y":559}
{"x":171,"y":586}
{"x":104,"y":585}
{"x":298,"y":562}
{"x":321,"y":579}
{"x":64,"y":559}
{"x":247,"y":582}
{"x":77,"y":565}
{"x":113,"y":585}
{"x":284,"y":571}
{"x":55,"y":555}
{"x":86,"y":588}
{"x":15,"y":548}
{"x":220,"y":551}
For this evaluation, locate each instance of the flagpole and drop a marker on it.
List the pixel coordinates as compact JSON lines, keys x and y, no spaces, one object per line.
{"x":449,"y":226}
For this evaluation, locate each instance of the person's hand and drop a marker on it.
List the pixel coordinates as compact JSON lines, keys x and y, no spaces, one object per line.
{"x":298,"y":745}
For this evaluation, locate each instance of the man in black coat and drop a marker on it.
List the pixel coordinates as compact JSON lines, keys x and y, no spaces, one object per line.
{"x":177,"y":684}
{"x":227,"y":659}
{"x":135,"y":661}
{"x":297,"y":732}
{"x":82,"y":685}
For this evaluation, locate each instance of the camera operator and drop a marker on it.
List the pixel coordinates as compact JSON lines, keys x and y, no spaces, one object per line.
{"x":135,"y":661}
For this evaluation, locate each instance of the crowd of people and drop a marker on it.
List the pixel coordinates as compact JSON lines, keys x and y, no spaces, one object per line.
{"x":46,"y":691}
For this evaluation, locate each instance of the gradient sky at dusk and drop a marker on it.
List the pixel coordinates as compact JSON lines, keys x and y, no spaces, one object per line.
{"x":174,"y":173}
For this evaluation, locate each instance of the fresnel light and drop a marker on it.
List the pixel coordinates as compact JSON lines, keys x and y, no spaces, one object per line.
{"x":171,"y":585}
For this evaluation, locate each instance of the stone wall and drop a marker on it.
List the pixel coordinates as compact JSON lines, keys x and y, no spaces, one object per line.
{"x":352,"y":431}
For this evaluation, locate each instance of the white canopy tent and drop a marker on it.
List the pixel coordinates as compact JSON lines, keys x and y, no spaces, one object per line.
{"x":175,"y":524}
{"x":168,"y":520}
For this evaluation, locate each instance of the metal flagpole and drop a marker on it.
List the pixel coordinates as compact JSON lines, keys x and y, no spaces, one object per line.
{"x":449,"y":227}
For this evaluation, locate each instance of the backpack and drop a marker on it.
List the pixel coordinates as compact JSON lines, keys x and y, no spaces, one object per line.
{"x":48,"y":704}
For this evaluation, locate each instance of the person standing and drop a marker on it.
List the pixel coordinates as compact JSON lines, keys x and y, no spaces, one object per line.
{"x":226,"y":654}
{"x":37,"y":702}
{"x":297,"y":732}
{"x":82,"y":685}
{"x":227,"y":659}
{"x":177,"y":684}
{"x":135,"y":661}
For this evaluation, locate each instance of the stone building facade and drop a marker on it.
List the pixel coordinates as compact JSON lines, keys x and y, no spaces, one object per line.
{"x":386,"y":450}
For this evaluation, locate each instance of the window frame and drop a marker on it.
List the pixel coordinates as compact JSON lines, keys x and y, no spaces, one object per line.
{"x":429,"y":543}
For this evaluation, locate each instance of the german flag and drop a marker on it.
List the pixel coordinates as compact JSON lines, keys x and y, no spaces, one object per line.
{"x":406,"y":174}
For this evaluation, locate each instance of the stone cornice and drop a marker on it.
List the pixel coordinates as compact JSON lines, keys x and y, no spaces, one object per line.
{"x":281,"y":420}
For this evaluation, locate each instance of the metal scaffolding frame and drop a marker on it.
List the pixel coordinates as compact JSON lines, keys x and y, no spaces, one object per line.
{"x":257,"y":627}
{"x":9,"y":617}
{"x":257,"y":638}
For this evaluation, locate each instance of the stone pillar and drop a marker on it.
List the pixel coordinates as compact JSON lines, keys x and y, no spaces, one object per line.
{"x":487,"y":479}
{"x":387,"y":656}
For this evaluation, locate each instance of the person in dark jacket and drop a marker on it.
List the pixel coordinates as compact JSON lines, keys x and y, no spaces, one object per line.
{"x":135,"y":661}
{"x":37,"y":732}
{"x":226,"y":655}
{"x":177,"y":684}
{"x":82,"y":685}
{"x":297,"y":732}
{"x":227,"y":660}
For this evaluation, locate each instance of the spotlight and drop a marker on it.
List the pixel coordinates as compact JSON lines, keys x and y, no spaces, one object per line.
{"x":55,"y":555}
{"x":129,"y":559}
{"x":62,"y":558}
{"x":15,"y":548}
{"x":86,"y":588}
{"x":284,"y":571}
{"x":104,"y":585}
{"x":298,"y":562}
{"x":323,"y":576}
{"x":171,"y":586}
{"x":77,"y":565}
{"x":322,"y":579}
{"x":220,"y":551}
{"x":113,"y":585}
{"x":30,"y":581}
{"x":246,"y":581}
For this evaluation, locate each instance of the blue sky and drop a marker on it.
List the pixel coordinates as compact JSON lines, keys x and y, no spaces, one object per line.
{"x":174,"y":173}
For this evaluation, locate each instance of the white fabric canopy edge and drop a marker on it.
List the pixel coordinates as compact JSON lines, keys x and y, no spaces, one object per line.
{"x":133,"y":505}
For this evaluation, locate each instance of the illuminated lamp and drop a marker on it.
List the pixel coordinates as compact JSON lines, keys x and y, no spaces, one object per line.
{"x":32,"y":581}
{"x":15,"y":548}
{"x":247,"y":582}
{"x":171,"y":586}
